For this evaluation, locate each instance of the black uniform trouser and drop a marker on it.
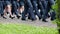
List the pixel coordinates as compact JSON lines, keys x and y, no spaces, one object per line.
{"x":14,"y":8}
{"x":1,"y":7}
{"x":34,"y":3}
{"x":52,"y":13}
{"x":43,"y":7}
{"x":29,"y":10}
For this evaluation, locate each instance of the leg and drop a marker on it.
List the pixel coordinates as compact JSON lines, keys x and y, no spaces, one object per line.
{"x":30,"y":10}
{"x":45,"y":12}
{"x":14,"y":9}
{"x":21,"y":7}
{"x":36,"y":9}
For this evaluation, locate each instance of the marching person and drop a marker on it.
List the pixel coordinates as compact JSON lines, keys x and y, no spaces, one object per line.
{"x":7,"y":8}
{"x":43,"y":7}
{"x":52,"y":13}
{"x":21,"y":4}
{"x":15,"y":5}
{"x":34,"y":3}
{"x":28,"y":10}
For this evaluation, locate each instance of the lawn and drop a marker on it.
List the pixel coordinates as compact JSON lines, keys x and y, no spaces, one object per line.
{"x":25,"y":29}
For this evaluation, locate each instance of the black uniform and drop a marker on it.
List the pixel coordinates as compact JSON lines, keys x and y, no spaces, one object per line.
{"x":1,"y":6}
{"x":34,"y":3}
{"x":29,"y":10}
{"x":15,"y":6}
{"x":21,"y":2}
{"x":7,"y":2}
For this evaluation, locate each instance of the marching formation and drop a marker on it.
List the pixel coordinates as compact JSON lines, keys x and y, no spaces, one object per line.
{"x":27,"y":8}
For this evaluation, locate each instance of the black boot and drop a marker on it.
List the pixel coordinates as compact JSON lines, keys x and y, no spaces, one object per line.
{"x":1,"y":15}
{"x":34,"y":19}
{"x":39,"y":18}
{"x":48,"y":16}
{"x":44,"y":20}
{"x":29,"y":18}
{"x":18,"y":17}
{"x":11,"y":17}
{"x":23,"y":19}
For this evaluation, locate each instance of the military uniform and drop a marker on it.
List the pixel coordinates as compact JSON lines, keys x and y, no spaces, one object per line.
{"x":34,"y":3}
{"x":1,"y":6}
{"x":29,"y":10}
{"x":43,"y":7}
{"x":52,"y":13}
{"x":21,"y":2}
{"x":7,"y":2}
{"x":15,"y":6}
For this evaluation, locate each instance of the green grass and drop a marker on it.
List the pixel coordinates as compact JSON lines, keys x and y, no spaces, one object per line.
{"x":25,"y":29}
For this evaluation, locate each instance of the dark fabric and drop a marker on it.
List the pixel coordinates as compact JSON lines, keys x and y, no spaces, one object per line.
{"x":1,"y":7}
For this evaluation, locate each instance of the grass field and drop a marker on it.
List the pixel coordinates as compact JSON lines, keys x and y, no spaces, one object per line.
{"x":25,"y":29}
